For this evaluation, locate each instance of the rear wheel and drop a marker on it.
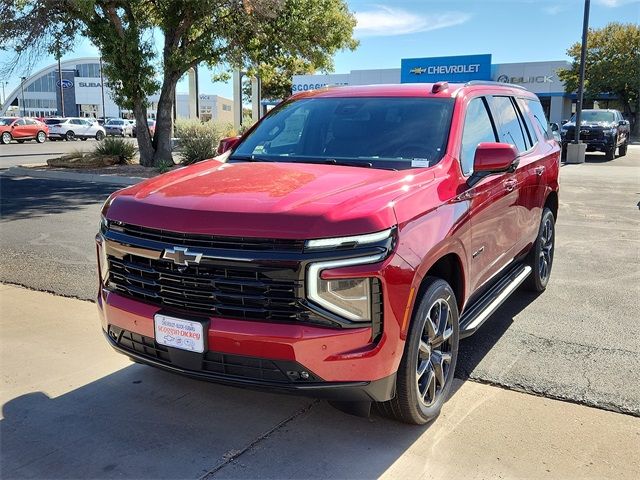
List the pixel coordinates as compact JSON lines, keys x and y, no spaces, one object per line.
{"x":426,"y":371}
{"x":70,"y":135}
{"x":541,"y":255}
{"x":5,"y":138}
{"x":41,"y":137}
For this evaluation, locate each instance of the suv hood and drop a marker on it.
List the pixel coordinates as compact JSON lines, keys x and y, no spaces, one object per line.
{"x":266,"y":199}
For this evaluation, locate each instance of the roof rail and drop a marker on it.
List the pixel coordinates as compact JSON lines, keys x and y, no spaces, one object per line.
{"x":490,"y":82}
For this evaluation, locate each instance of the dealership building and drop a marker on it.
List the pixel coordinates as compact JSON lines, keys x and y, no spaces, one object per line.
{"x":538,"y":77}
{"x":84,"y":96}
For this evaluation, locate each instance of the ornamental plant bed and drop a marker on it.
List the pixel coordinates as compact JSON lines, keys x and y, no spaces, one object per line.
{"x":129,"y":170}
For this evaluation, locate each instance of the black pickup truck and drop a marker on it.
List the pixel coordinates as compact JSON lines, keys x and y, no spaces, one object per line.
{"x":601,"y":130}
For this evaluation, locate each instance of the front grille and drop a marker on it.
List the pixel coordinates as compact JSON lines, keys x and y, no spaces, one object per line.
{"x":249,"y":293}
{"x":586,"y":134}
{"x":210,"y":241}
{"x":216,"y":363}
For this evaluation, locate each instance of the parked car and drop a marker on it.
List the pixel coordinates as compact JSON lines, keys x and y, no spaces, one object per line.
{"x":71,"y":128}
{"x":119,"y":126}
{"x":22,"y":129}
{"x":341,"y":248}
{"x":601,"y":130}
{"x":152,"y":127}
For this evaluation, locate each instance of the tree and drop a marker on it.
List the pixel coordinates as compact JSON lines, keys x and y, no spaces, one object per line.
{"x":612,"y":66}
{"x":228,"y":33}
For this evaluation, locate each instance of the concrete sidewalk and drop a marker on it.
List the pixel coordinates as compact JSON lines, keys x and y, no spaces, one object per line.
{"x":73,"y":408}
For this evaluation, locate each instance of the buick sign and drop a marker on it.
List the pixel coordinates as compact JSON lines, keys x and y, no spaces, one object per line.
{"x":64,"y":83}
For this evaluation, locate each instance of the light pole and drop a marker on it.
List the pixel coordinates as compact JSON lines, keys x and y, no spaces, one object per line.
{"x":60,"y":86}
{"x":575,"y":150}
{"x":4,"y":97}
{"x":22,"y":88}
{"x":583,"y":57}
{"x":104,"y":115}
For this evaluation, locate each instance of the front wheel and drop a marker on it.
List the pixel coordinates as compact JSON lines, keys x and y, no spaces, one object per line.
{"x":622,"y":149}
{"x":426,"y":371}
{"x":70,"y":135}
{"x":5,"y":138}
{"x":99,"y":136}
{"x":541,"y":255}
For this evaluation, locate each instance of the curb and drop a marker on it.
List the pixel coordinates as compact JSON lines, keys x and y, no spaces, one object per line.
{"x":72,"y":176}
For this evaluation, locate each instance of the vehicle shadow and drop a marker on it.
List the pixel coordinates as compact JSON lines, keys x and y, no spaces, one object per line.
{"x":140,"y":422}
{"x":22,"y":197}
{"x":475,"y":348}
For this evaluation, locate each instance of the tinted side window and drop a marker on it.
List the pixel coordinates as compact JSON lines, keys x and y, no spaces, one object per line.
{"x":29,"y":121}
{"x":538,"y":115}
{"x":510,"y":126}
{"x":529,"y":132}
{"x":19,"y":122}
{"x":477,"y":129}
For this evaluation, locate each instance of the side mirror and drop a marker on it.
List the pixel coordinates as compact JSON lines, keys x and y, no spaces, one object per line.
{"x":564,"y":121}
{"x":623,"y":123}
{"x":227,"y":144}
{"x":491,"y":158}
{"x":554,"y":127}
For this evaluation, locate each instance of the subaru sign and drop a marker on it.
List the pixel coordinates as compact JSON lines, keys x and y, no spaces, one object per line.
{"x":450,"y":69}
{"x":65,"y":83}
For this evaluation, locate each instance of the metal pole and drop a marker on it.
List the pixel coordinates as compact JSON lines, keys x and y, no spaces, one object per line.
{"x":4,"y":97}
{"x":22,"y":87}
{"x":60,"y":86}
{"x":583,"y":56}
{"x":195,"y":70}
{"x":104,"y":115}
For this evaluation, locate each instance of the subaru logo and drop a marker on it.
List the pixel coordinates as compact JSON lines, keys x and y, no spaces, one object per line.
{"x":181,"y":256}
{"x":64,"y":83}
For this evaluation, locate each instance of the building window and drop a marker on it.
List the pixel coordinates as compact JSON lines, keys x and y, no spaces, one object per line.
{"x":226,"y":107}
{"x":46,"y":83}
{"x":90,"y":70}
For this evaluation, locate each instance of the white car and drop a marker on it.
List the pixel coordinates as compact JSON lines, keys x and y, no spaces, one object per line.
{"x":119,"y":126}
{"x":74,"y":127}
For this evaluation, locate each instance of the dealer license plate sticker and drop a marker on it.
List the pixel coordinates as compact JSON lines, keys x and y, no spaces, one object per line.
{"x":178,"y":333}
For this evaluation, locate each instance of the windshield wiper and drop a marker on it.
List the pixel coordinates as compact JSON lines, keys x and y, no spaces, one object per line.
{"x":249,"y":158}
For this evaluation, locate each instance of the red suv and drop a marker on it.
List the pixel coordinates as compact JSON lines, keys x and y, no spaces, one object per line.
{"x":342,"y":247}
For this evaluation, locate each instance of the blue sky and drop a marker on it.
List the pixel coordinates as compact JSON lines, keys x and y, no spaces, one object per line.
{"x":511,"y":30}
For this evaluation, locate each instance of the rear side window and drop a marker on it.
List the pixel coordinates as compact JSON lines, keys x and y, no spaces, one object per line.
{"x":511,"y":128}
{"x":537,"y":112}
{"x":477,"y":128}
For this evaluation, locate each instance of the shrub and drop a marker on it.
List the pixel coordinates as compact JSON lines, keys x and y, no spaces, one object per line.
{"x":116,"y":147}
{"x":197,"y":141}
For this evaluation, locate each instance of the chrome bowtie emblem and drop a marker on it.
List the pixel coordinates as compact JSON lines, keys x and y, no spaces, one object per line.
{"x":181,"y":256}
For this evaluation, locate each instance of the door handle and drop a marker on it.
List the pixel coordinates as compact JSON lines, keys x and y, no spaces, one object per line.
{"x":539,"y":171}
{"x":510,"y":185}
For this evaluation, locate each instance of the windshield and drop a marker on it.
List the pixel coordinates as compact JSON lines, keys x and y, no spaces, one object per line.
{"x":595,"y":116}
{"x":6,"y":121}
{"x":115,"y":122}
{"x":385,"y":132}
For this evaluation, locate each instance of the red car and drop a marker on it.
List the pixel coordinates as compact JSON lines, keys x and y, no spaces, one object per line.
{"x":22,"y":129}
{"x":342,"y":247}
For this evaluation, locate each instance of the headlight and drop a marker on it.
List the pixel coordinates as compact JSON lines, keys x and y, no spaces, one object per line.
{"x":347,"y":297}
{"x":352,"y":241}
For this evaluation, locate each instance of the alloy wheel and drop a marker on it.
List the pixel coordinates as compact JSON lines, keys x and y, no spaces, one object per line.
{"x":434,"y":353}
{"x":6,"y":137}
{"x":546,"y":249}
{"x":41,"y":137}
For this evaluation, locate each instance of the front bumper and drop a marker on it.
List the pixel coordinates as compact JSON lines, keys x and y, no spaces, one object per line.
{"x":114,"y":131}
{"x":186,"y":364}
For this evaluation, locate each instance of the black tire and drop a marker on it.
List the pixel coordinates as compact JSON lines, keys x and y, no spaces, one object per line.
{"x":99,"y":136}
{"x":622,"y":149}
{"x":540,"y":257}
{"x":6,"y":138}
{"x":423,"y":351}
{"x":41,"y":137}
{"x":70,"y":135}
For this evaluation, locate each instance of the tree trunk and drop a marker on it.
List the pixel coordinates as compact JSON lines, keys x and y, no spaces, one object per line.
{"x":142,"y":134}
{"x":164,"y":120}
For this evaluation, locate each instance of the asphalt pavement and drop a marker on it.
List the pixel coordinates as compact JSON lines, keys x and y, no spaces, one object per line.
{"x":579,"y":341}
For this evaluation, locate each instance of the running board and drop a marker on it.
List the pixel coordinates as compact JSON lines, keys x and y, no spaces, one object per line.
{"x":482,"y":309}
